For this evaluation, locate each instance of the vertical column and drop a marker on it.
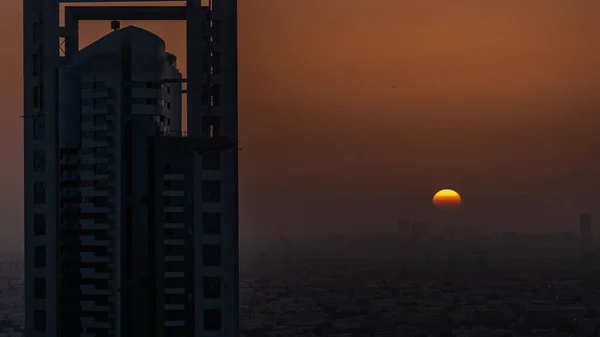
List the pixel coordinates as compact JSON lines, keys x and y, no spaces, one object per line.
{"x":40,"y":41}
{"x":72,"y":33}
{"x":51,"y":61}
{"x":195,"y":14}
{"x":224,"y":91}
{"x":34,"y":305}
{"x":212,"y":113}
{"x":194,"y":17}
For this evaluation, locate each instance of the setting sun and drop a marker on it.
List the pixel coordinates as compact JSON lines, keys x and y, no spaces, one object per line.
{"x":447,"y":199}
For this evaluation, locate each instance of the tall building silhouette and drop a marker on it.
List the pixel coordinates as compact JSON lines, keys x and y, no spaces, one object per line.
{"x":404,"y":227}
{"x":419,"y":229}
{"x":131,"y":225}
{"x":585,"y":228}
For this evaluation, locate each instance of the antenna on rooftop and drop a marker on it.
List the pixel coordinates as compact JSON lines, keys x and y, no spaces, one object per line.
{"x":115,"y":25}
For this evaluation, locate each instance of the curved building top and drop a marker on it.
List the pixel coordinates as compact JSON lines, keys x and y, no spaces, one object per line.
{"x":143,"y":44}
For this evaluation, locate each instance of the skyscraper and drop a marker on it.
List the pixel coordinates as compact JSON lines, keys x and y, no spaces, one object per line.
{"x":130,"y":227}
{"x":418,"y":230}
{"x":404,"y":227}
{"x":585,"y":228}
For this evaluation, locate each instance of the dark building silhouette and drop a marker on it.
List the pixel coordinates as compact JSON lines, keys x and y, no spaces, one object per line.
{"x":585,"y":228}
{"x":404,"y":227}
{"x":131,"y":224}
{"x":419,"y":230}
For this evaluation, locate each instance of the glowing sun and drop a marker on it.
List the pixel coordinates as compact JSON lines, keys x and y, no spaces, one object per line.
{"x":447,"y":199}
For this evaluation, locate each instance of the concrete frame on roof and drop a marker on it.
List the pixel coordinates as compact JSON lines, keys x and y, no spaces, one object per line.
{"x":74,"y":14}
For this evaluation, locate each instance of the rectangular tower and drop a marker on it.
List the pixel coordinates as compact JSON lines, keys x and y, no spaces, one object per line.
{"x":585,"y":228}
{"x":112,"y":100}
{"x":212,"y":113}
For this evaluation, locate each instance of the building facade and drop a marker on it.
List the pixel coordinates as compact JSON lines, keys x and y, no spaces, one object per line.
{"x":193,"y":262}
{"x":112,"y":99}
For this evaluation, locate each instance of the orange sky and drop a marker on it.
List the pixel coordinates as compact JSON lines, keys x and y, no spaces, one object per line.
{"x":356,"y":112}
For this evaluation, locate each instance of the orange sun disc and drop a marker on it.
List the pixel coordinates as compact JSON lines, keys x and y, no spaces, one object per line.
{"x":447,"y":199}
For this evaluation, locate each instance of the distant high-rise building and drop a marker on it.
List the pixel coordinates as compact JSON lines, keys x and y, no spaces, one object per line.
{"x":404,"y":227}
{"x":585,"y":228}
{"x":418,"y":230}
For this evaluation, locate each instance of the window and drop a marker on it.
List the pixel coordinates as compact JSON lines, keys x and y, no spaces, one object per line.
{"x":39,"y":161}
{"x":42,"y":99}
{"x":210,"y":126}
{"x":99,"y":119}
{"x":100,"y":103}
{"x":207,"y":95}
{"x":211,"y":159}
{"x":86,"y":150}
{"x":175,"y":266}
{"x":39,"y":128}
{"x":88,"y":118}
{"x":39,"y":320}
{"x":171,"y":233}
{"x":174,"y":315}
{"x":175,"y":330}
{"x":39,"y":192}
{"x":211,"y":255}
{"x":215,"y":62}
{"x":212,"y":319}
{"x":36,"y":65}
{"x":39,"y":224}
{"x":175,"y":201}
{"x":39,"y":288}
{"x":211,"y":287}
{"x":174,"y":250}
{"x":36,"y":32}
{"x":216,"y":95}
{"x":152,"y":85}
{"x":174,"y":298}
{"x":36,"y":97}
{"x":99,"y":86}
{"x":100,"y":135}
{"x":86,"y":85}
{"x":39,"y":258}
{"x":61,"y":43}
{"x":101,"y":202}
{"x":175,"y":282}
{"x":86,"y":167}
{"x":101,"y":169}
{"x":211,"y":191}
{"x":211,"y":223}
{"x":174,"y":217}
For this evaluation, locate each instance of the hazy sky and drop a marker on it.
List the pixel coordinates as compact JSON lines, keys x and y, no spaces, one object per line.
{"x":353,"y":113}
